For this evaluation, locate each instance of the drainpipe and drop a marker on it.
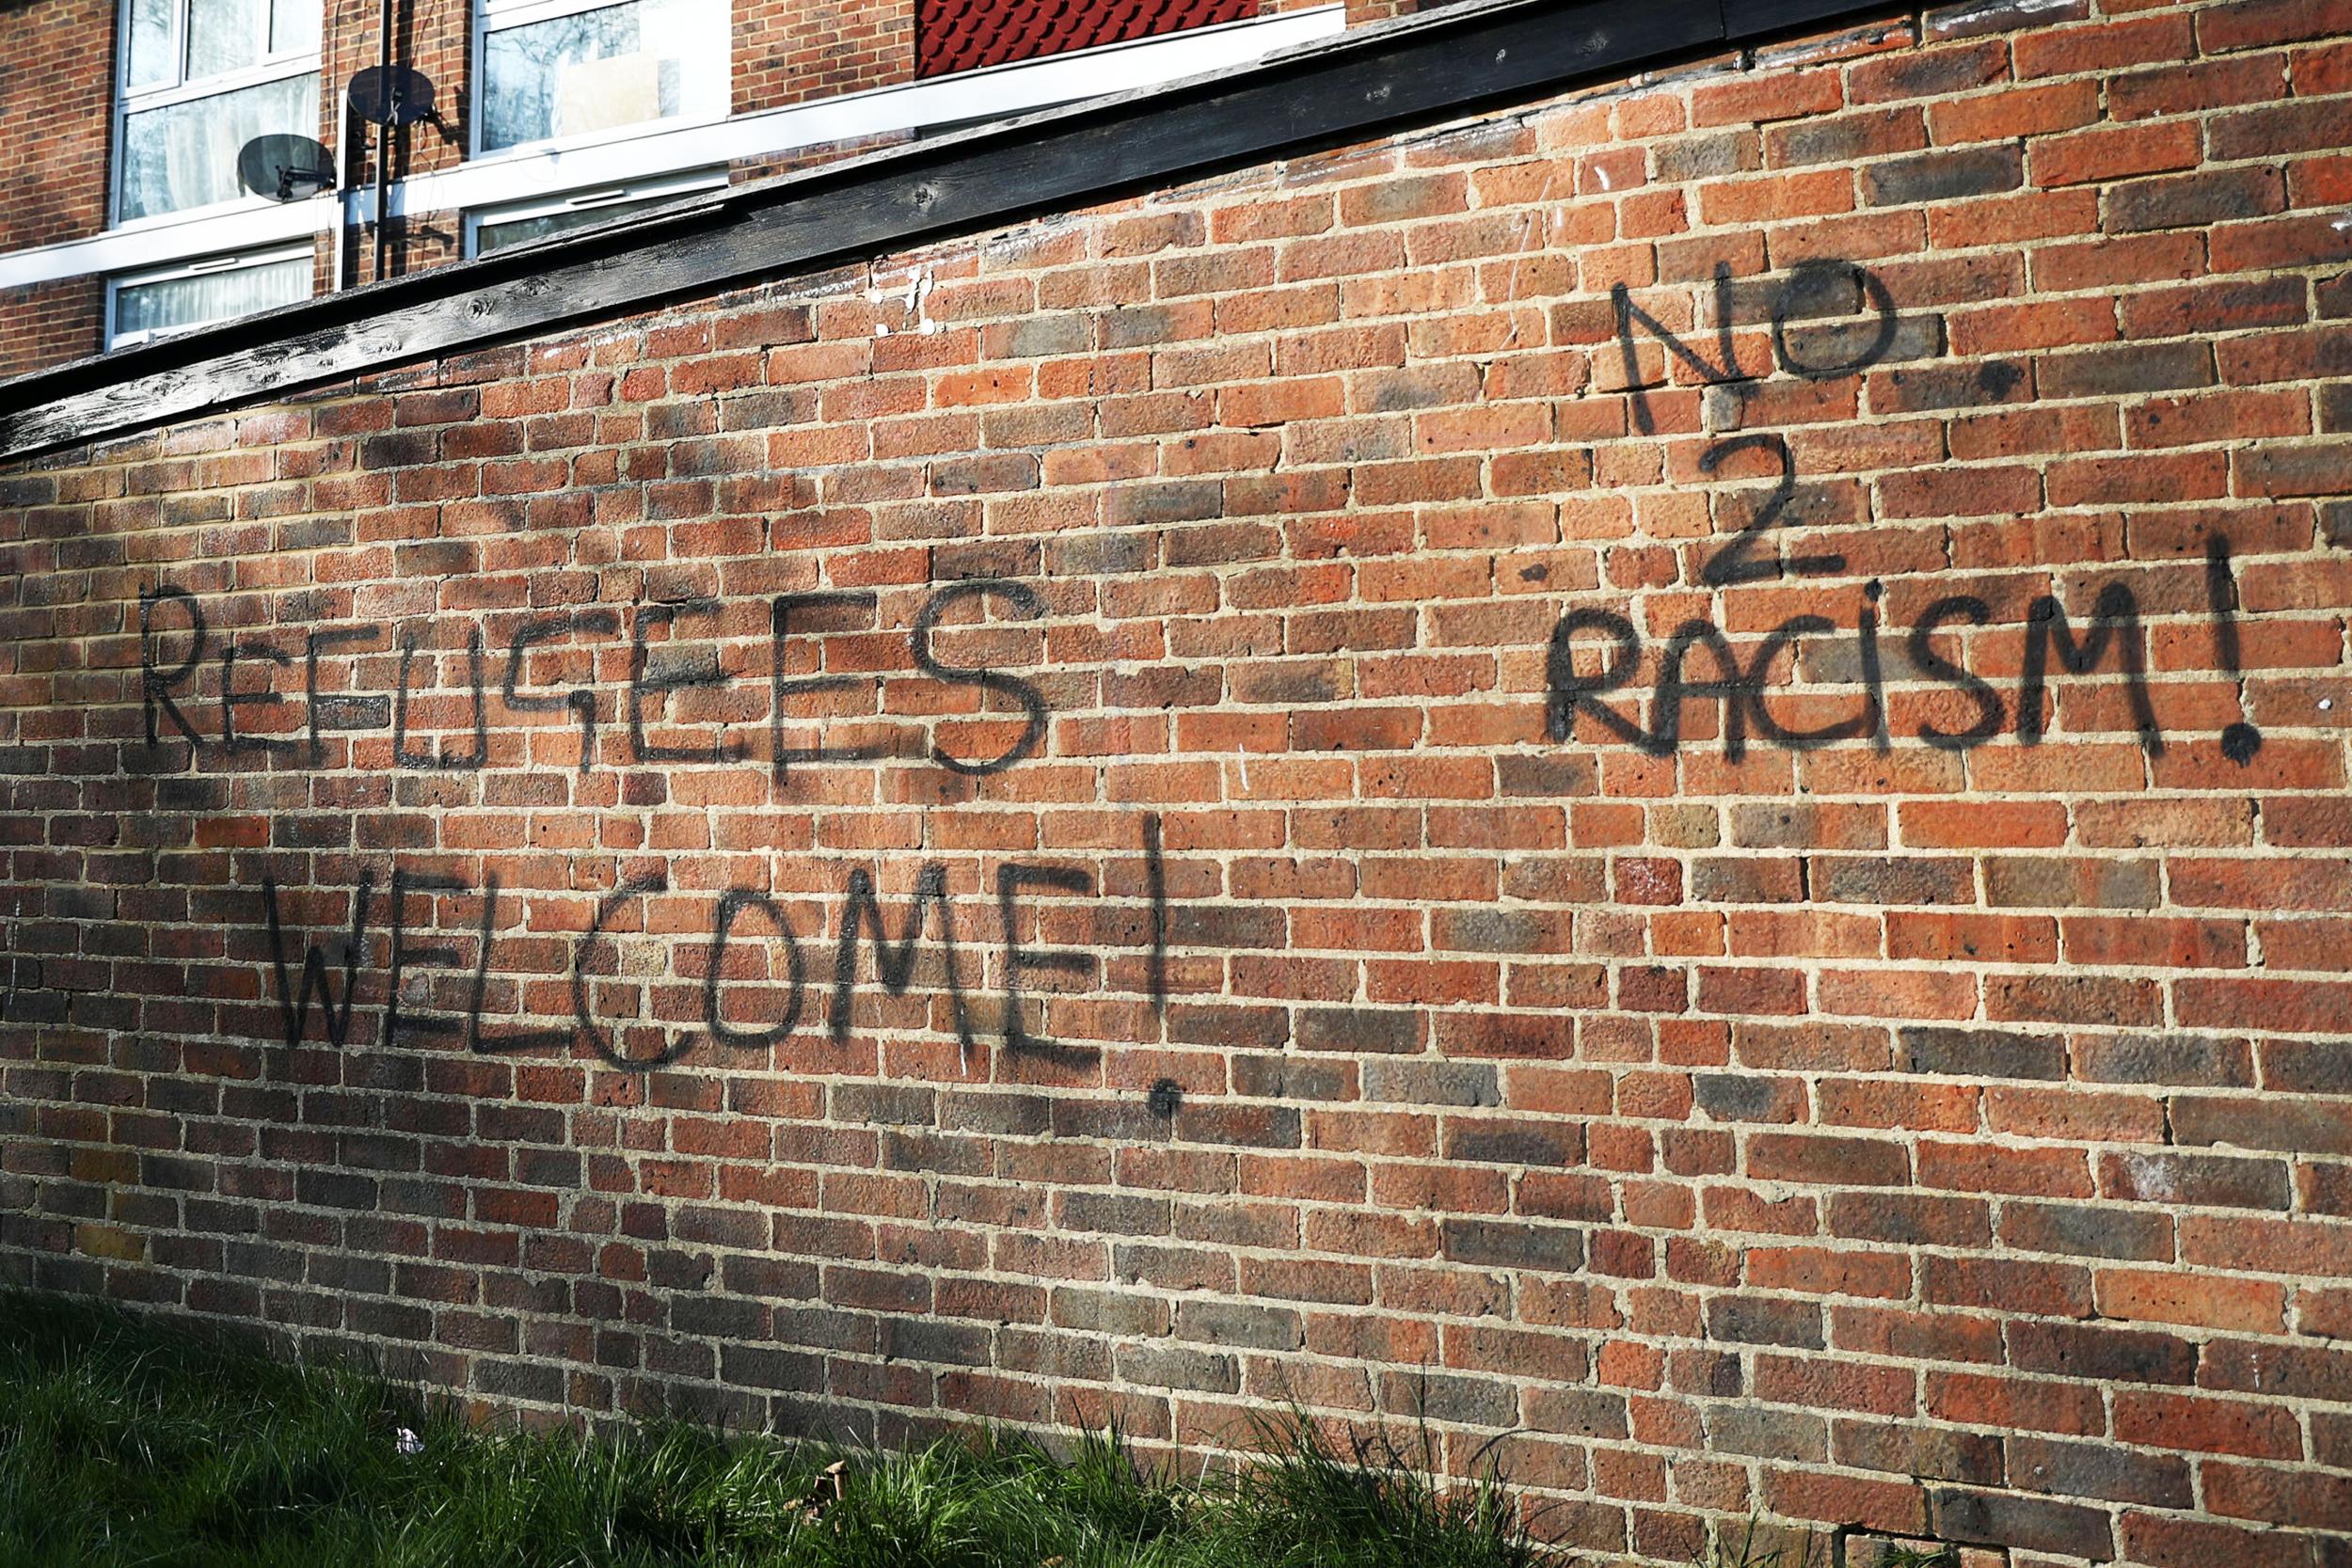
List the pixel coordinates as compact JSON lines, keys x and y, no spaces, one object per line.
{"x":342,"y":151}
{"x":384,"y":131}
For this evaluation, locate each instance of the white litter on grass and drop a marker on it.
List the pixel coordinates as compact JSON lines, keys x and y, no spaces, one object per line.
{"x":407,"y":1442}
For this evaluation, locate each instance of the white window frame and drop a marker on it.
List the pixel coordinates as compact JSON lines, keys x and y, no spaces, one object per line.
{"x":115,"y":285}
{"x":655,"y":187}
{"x":180,"y":89}
{"x":499,"y":16}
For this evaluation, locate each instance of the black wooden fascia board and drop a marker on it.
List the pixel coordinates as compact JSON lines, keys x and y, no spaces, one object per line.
{"x":1420,"y":71}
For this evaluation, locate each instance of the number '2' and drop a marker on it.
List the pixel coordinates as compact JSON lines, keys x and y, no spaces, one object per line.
{"x":1737,"y":560}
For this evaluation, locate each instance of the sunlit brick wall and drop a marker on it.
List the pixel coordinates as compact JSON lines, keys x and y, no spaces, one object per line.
{"x":1661,"y":778}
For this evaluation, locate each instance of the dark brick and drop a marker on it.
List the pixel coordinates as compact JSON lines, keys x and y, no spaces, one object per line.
{"x":1270,"y":1077}
{"x":1745,"y":1097}
{"x":1931,"y":1453}
{"x":2124,"y":370}
{"x":1784,"y":1434}
{"x":2087,"y":1230}
{"x":1848,"y":139}
{"x":1872,"y":880}
{"x":2306,"y":1067}
{"x":2194,"y":200}
{"x":334,"y":1189}
{"x":2200,"y":1061}
{"x":2279,"y":1371}
{"x":1979,"y":1053}
{"x":1944,"y":176}
{"x":1521,"y":1143}
{"x":2252,"y":1122}
{"x":1240,"y":1325}
{"x":1975,"y":385}
{"x":2034,"y":1524}
{"x":1512,"y":1245}
{"x":1178,"y":1366}
{"x":2100,"y":1471}
{"x":769,"y":1367}
{"x":2122,"y":1355}
{"x":1383,"y":1029}
{"x":1765,"y":1320}
{"x":1911,"y":1219}
{"x":1446,"y":1397}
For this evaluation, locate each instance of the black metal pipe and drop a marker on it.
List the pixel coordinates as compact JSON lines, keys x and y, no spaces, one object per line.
{"x":384,"y":129}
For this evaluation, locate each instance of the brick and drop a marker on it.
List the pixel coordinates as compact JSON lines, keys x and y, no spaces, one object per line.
{"x":2033,"y":1523}
{"x":2171,"y":1539}
{"x":2204,"y":1179}
{"x":2191,"y":199}
{"x":2169,"y":1420}
{"x":1846,"y":1161}
{"x":2276,"y":1495}
{"x":2098,"y":1470}
{"x":2121,"y":1354}
{"x":1941,"y":176}
{"x":1980,"y":1053}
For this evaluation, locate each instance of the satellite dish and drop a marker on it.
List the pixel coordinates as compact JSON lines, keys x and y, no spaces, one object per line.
{"x":391,"y":95}
{"x":285,"y":167}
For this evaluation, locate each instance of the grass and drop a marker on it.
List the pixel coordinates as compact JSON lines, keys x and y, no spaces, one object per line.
{"x":125,"y":1441}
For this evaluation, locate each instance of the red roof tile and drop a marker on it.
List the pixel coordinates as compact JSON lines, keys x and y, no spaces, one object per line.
{"x":965,"y":35}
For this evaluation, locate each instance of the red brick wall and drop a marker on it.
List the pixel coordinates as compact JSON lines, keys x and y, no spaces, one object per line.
{"x":55,"y":133}
{"x":49,"y":324}
{"x":54,"y":127}
{"x":791,"y":51}
{"x":1744,"y":882}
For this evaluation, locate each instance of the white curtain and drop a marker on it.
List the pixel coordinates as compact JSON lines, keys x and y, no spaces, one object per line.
{"x":209,"y":297}
{"x":186,"y":154}
{"x":226,"y":35}
{"x":151,"y":43}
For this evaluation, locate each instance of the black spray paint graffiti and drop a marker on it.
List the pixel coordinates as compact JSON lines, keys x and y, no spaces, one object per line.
{"x":2112,"y":635}
{"x":655,"y":670}
{"x":2109,"y":639}
{"x":734,"y":913}
{"x":1816,"y":289}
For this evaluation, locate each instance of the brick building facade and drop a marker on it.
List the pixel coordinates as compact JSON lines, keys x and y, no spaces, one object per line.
{"x":1654,"y":771}
{"x":75,"y":146}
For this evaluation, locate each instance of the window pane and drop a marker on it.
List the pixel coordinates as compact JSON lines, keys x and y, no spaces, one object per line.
{"x":648,"y":59}
{"x":185,"y":155}
{"x":225,"y":34}
{"x":178,"y":302}
{"x":150,"y":59}
{"x":293,"y":26}
{"x":494,"y":236}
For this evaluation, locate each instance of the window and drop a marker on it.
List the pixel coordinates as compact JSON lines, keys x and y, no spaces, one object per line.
{"x":142,"y":307}
{"x":200,"y":79}
{"x":554,"y":70}
{"x":517,"y":222}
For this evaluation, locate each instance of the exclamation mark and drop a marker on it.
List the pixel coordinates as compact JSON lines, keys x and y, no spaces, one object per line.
{"x":2241,"y":740}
